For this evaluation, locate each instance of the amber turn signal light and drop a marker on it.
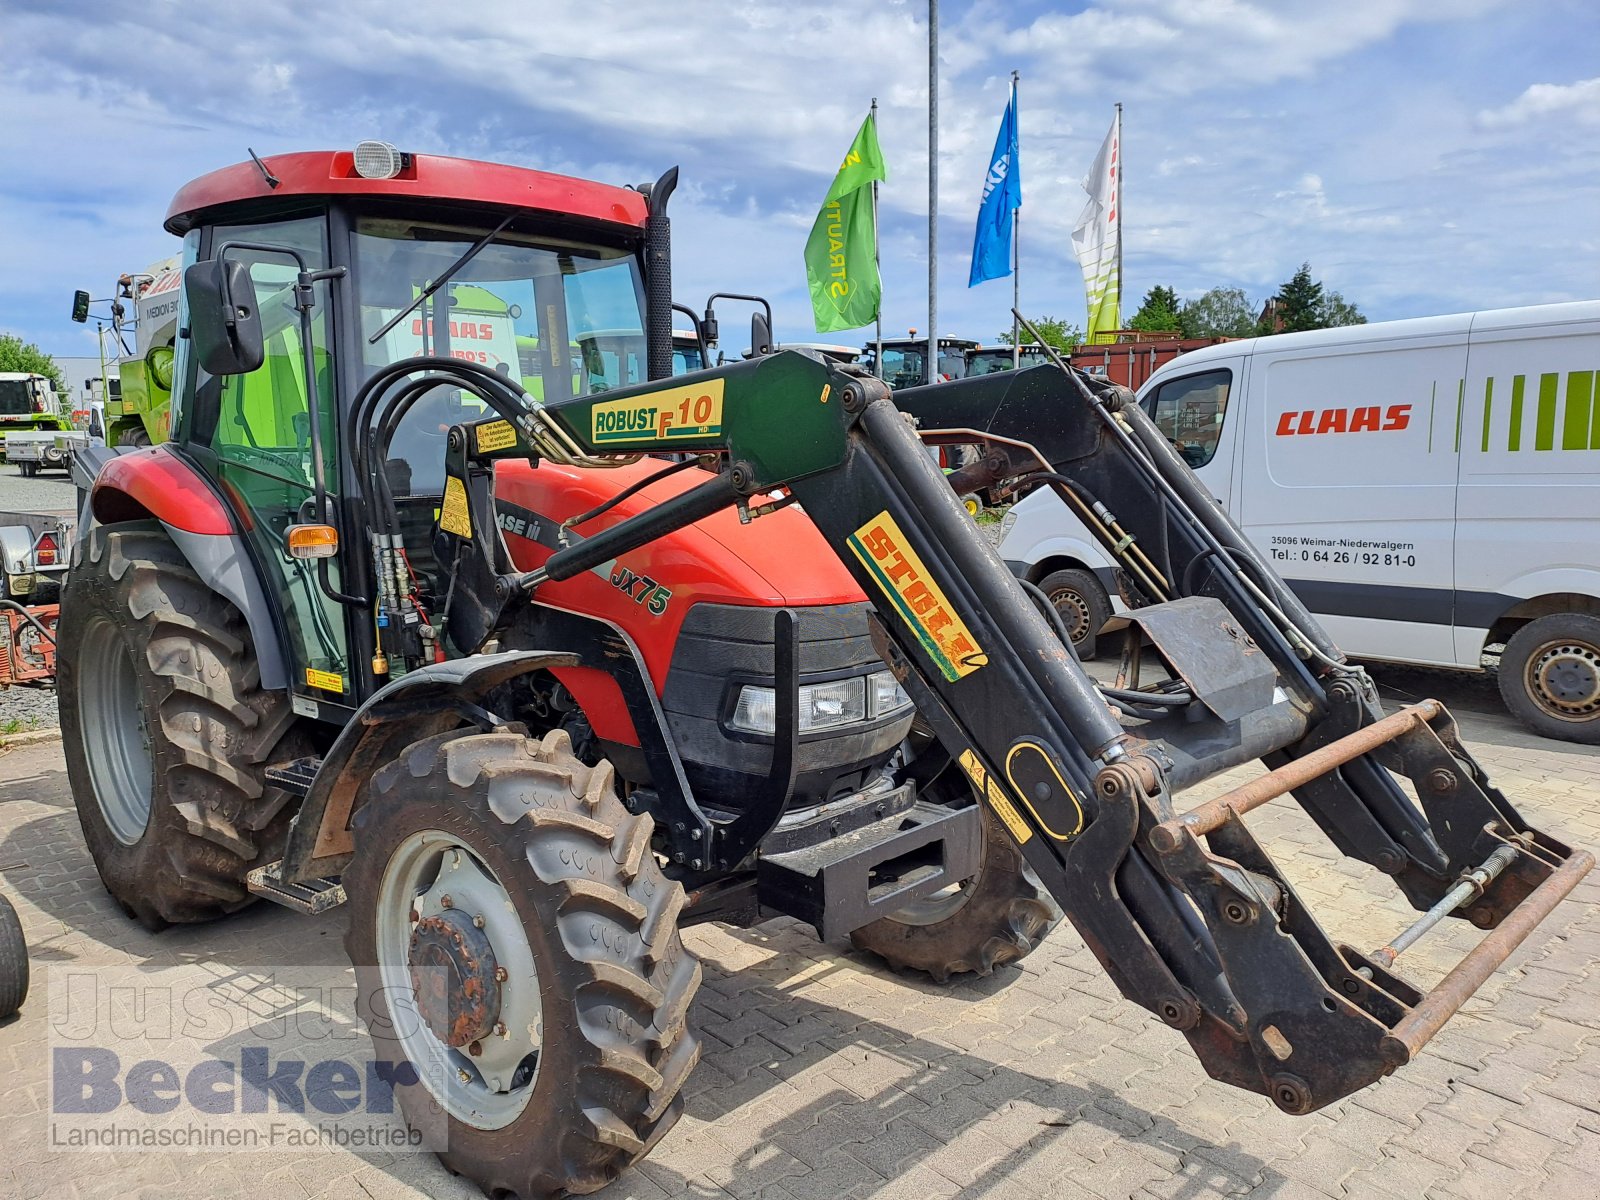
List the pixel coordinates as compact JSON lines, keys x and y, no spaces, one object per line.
{"x":313,"y":541}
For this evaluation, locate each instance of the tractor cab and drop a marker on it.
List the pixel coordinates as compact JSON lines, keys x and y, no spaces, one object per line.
{"x":414,"y":255}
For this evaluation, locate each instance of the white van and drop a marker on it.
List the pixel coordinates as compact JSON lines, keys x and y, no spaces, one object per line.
{"x":1430,"y":488}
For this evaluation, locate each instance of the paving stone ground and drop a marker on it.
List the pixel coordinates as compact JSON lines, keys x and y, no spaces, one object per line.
{"x":826,"y":1076}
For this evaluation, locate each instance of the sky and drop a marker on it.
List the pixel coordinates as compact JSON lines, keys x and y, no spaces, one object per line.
{"x":1425,"y":158}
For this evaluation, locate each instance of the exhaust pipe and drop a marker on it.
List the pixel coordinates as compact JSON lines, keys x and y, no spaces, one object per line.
{"x":658,"y":275}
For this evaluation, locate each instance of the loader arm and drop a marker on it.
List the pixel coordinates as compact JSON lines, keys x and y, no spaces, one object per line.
{"x":1181,"y":905}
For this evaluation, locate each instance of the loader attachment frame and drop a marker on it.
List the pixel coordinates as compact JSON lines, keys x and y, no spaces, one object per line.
{"x":1186,"y":912}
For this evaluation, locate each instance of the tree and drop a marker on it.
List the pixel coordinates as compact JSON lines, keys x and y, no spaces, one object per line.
{"x":18,"y":355}
{"x":1158,"y":313}
{"x":1221,"y":312}
{"x":1302,"y":304}
{"x":1336,"y":310}
{"x":1297,"y":306}
{"x":1056,"y":332}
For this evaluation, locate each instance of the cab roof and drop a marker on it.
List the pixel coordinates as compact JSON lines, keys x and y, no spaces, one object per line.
{"x":423,"y":177}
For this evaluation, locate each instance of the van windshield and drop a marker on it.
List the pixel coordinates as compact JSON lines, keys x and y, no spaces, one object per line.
{"x":1190,"y":411}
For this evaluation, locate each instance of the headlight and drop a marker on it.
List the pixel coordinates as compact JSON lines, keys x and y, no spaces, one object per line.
{"x":828,"y":705}
{"x":1007,"y":523}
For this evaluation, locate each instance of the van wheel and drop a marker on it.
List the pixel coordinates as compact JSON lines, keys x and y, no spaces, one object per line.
{"x":1550,"y":677}
{"x":1083,"y":605}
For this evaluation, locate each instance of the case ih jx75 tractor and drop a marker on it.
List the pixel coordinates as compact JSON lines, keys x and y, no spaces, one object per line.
{"x":529,"y":684}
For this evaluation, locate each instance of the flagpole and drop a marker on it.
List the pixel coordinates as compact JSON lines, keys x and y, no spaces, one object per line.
{"x":933,"y":190}
{"x":1120,"y":165}
{"x":877,"y":263}
{"x":1016,"y":239}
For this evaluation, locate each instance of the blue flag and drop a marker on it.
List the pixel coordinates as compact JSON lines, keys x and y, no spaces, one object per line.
{"x":1002,"y":195}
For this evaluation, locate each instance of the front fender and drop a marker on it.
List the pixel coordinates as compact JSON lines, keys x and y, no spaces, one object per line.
{"x":418,"y":705}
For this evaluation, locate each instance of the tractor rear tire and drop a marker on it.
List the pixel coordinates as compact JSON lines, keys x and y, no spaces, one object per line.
{"x":13,"y":961}
{"x":138,"y":435}
{"x":543,"y":999}
{"x":167,"y":730}
{"x":998,"y":916}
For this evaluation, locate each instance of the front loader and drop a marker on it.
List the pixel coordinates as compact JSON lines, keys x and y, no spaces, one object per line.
{"x":531,"y":683}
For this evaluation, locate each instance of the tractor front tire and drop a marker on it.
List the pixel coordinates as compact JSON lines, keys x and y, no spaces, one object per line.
{"x":999,"y":915}
{"x":515,"y":941}
{"x":167,"y":730}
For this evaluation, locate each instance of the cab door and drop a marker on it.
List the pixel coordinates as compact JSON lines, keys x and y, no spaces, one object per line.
{"x":252,"y":433}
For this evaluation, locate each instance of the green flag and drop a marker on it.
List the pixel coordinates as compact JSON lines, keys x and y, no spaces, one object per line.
{"x":840,"y":259}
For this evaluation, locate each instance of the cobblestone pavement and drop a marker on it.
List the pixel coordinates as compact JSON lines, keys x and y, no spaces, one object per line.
{"x":826,"y":1076}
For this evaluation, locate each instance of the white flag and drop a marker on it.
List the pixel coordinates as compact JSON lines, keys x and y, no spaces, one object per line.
{"x":1098,"y":236}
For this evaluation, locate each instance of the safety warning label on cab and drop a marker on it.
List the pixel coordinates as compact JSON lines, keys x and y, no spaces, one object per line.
{"x":665,"y":415}
{"x":496,"y":435}
{"x":997,"y":799}
{"x":327,"y":681}
{"x":454,"y":516}
{"x":886,"y":553}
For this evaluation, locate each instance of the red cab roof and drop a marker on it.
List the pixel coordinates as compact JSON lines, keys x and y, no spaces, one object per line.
{"x":427,"y":177}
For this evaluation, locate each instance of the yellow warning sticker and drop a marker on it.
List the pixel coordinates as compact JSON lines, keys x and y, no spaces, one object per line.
{"x":453,"y":515}
{"x":669,"y":414}
{"x":886,"y":553}
{"x":998,"y":800}
{"x":327,"y":681}
{"x":496,"y":435}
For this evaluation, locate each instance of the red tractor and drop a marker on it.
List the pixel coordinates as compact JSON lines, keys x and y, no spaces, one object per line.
{"x":446,"y":602}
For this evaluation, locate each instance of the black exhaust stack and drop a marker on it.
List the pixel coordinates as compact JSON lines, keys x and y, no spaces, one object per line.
{"x":658,"y":275}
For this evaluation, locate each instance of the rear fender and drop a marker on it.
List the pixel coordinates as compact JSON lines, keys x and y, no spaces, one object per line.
{"x":418,"y":705}
{"x":157,"y":484}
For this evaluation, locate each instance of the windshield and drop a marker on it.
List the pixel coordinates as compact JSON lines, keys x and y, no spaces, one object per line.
{"x":903,"y":368}
{"x":686,"y":359}
{"x":16,"y":398}
{"x":560,"y":319}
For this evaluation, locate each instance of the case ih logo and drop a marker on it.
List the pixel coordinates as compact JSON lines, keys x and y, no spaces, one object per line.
{"x":1371,"y":419}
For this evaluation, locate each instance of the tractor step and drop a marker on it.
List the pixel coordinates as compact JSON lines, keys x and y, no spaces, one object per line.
{"x":849,"y":881}
{"x":310,"y":897}
{"x":294,"y":776}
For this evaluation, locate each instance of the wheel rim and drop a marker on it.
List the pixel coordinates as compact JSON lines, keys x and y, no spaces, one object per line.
{"x":973,"y":506}
{"x":1074,"y":609}
{"x":1563,"y":678}
{"x":116,"y":742}
{"x":439,"y":908}
{"x":945,"y":903}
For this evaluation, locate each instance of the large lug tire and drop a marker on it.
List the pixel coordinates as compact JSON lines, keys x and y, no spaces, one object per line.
{"x":1550,"y":677}
{"x":13,"y":961}
{"x":1000,"y":915}
{"x":134,"y":436}
{"x":482,"y":855}
{"x":167,"y":730}
{"x":1083,"y":605}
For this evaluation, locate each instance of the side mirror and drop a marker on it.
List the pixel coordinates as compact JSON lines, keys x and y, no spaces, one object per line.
{"x":224,"y":323}
{"x":760,"y":336}
{"x":80,"y":306}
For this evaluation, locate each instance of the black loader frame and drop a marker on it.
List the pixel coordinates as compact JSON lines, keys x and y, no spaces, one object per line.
{"x":1185,"y":911}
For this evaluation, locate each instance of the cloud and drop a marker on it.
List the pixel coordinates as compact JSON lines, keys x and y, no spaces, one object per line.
{"x":1580,"y":101}
{"x":1257,"y":135}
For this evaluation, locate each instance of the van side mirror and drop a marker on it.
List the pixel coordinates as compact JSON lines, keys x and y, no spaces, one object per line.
{"x":760,"y":336}
{"x":224,"y":323}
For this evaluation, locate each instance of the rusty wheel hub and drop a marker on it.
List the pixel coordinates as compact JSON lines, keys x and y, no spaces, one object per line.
{"x":1565,"y":679}
{"x":452,"y":968}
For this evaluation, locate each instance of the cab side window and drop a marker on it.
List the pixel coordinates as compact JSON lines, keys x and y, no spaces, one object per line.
{"x":1190,"y":411}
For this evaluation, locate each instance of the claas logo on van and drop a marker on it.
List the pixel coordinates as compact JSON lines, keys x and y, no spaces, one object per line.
{"x":1369,"y":419}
